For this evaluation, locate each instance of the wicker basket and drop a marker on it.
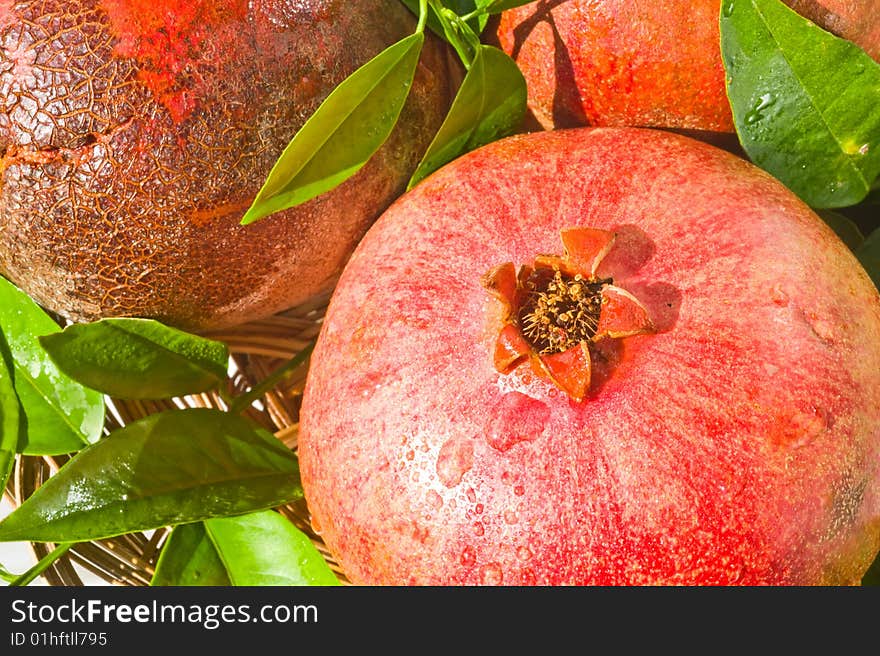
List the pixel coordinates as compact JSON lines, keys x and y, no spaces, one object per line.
{"x":257,"y":349}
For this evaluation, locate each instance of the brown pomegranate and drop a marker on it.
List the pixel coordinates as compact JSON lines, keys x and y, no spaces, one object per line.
{"x":134,"y":135}
{"x":644,"y":63}
{"x":608,"y":356}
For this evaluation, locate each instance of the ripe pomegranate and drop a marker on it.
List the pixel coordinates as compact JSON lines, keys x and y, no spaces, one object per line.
{"x":644,"y":63}
{"x":597,"y":356}
{"x":135,"y":134}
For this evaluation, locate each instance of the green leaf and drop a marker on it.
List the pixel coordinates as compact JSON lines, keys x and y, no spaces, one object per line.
{"x":10,"y":414}
{"x":806,"y":103}
{"x":138,"y":358}
{"x":490,"y":103}
{"x":845,"y":228}
{"x":188,"y":558}
{"x":344,"y":132}
{"x":869,"y":255}
{"x":61,"y":415}
{"x":170,"y":468}
{"x":266,"y":549}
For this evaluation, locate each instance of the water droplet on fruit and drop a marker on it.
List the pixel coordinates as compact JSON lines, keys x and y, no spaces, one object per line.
{"x":455,"y":459}
{"x":479,"y":529}
{"x":434,"y":500}
{"x":779,"y":296}
{"x":492,"y":574}
{"x":510,"y":517}
{"x":471,"y":495}
{"x":528,"y":577}
{"x":523,"y":553}
{"x":468,"y":557}
{"x":518,"y":418}
{"x":823,"y":329}
{"x":316,"y":525}
{"x":519,"y":490}
{"x":798,"y":429}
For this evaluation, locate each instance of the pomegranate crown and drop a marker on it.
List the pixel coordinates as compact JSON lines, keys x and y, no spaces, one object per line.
{"x":557,"y":308}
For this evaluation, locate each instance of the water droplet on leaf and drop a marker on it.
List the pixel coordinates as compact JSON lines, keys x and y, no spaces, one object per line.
{"x":757,"y":112}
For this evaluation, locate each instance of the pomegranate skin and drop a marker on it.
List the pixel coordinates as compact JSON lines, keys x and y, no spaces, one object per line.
{"x":643,"y":63}
{"x":737,"y":444}
{"x":136,"y":134}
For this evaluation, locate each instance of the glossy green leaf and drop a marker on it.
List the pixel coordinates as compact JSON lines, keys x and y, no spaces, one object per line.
{"x":188,"y":558}
{"x":170,"y":468}
{"x":344,"y":132}
{"x":10,"y":413}
{"x":845,"y":228}
{"x":138,"y":358}
{"x":869,"y":255}
{"x":266,"y":549}
{"x":490,"y":103}
{"x":61,"y":415}
{"x":806,"y":103}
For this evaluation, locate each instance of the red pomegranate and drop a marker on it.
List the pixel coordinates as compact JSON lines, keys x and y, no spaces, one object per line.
{"x":597,"y":356}
{"x":135,"y":134}
{"x":644,"y":63}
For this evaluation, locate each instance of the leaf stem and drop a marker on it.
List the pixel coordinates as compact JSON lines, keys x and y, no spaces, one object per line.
{"x":423,"y":16}
{"x":474,"y":14}
{"x":239,"y":403}
{"x":42,"y":566}
{"x":6,"y":575}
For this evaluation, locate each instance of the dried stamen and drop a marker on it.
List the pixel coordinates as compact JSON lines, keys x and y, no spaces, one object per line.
{"x":559,"y":311}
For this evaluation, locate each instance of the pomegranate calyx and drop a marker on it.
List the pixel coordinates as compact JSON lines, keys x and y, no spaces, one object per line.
{"x":501,"y":281}
{"x":557,"y":307}
{"x":585,"y":248}
{"x":622,"y":315}
{"x":569,"y":370}
{"x":510,"y":349}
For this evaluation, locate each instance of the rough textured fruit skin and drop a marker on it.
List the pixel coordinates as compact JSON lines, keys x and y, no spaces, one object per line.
{"x":629,"y":62}
{"x":135,"y":133}
{"x":739,"y":444}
